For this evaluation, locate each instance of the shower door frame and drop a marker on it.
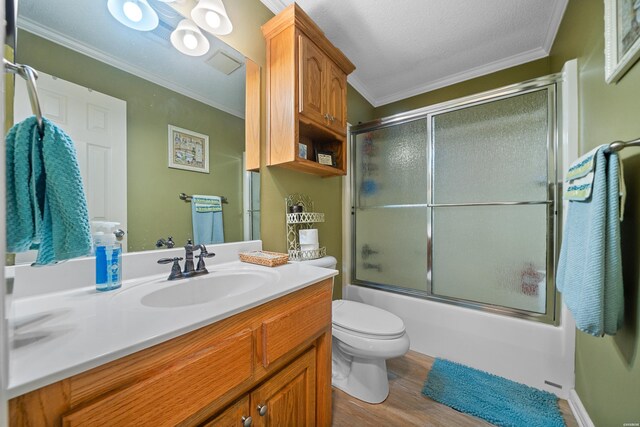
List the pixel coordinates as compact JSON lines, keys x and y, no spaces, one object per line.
{"x":553,"y":84}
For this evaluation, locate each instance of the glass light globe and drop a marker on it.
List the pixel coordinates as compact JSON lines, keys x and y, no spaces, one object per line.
{"x":132,"y":11}
{"x":212,"y":19}
{"x":190,"y":41}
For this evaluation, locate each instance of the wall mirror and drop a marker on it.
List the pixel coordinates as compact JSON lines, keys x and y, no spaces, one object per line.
{"x":116,"y":91}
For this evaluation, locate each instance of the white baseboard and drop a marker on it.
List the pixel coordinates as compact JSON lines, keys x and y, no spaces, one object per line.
{"x":578,"y":409}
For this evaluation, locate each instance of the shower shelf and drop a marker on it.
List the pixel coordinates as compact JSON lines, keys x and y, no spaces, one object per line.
{"x":300,"y":221}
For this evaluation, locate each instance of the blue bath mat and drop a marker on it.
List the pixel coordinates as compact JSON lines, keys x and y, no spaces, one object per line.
{"x":498,"y":400}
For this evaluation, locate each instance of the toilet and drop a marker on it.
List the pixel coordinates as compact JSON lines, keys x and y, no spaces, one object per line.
{"x":364,"y":337}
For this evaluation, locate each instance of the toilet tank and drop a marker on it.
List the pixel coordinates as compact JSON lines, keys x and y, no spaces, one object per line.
{"x":325,"y":262}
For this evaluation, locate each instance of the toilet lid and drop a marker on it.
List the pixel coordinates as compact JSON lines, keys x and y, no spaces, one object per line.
{"x":366,"y":319}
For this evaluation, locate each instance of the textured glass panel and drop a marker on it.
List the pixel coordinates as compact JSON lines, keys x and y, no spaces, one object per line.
{"x":492,"y":152}
{"x":255,"y":224}
{"x":391,"y":165}
{"x":391,"y":246}
{"x":491,"y":254}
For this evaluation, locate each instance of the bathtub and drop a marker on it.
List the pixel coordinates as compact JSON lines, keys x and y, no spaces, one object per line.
{"x":528,"y":352}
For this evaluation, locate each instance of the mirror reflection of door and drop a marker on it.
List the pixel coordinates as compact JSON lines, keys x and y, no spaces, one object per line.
{"x":97,"y":123}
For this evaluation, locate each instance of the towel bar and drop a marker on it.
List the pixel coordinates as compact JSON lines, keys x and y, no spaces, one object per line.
{"x":30,"y":75}
{"x":183,"y":196}
{"x":619,"y":145}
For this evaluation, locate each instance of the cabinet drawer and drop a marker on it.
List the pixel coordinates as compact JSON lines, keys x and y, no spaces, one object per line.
{"x":177,"y":391}
{"x":282,"y":333}
{"x":234,"y":416}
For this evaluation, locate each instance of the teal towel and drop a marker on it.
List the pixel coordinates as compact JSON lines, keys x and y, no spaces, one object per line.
{"x":590,"y":265}
{"x":206,"y":216}
{"x":46,"y":204}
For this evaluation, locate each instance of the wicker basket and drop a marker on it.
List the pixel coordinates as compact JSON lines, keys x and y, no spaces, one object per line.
{"x":266,"y":258}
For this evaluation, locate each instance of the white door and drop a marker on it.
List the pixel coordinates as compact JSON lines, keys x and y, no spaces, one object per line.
{"x":97,"y":123}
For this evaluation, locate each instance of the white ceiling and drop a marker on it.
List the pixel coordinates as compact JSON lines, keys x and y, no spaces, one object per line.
{"x":87,"y":27}
{"x":406,"y":47}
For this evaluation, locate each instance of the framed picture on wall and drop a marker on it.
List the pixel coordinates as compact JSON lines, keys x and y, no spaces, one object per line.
{"x":188,"y":150}
{"x":621,"y":36}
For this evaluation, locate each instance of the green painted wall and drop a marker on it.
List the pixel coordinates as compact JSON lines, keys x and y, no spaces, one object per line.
{"x":275,"y":182}
{"x":607,"y":369}
{"x":154,"y":209}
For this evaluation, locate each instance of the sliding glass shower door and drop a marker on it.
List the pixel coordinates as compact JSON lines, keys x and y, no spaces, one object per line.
{"x":491,"y":194}
{"x":458,"y":203}
{"x":390,"y":206}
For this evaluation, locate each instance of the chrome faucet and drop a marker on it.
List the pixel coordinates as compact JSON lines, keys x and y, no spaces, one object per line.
{"x":188,"y":259}
{"x":168,"y":243}
{"x":189,"y":269}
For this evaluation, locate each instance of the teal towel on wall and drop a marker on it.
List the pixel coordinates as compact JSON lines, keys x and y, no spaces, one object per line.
{"x":590,"y":265}
{"x":46,"y":204}
{"x":206,"y":217}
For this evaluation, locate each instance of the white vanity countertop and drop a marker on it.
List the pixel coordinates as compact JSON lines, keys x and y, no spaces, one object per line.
{"x":60,"y":334}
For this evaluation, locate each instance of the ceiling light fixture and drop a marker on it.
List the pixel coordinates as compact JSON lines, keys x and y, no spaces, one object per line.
{"x":136,"y":14}
{"x":188,"y":39}
{"x":132,"y":11}
{"x":211,"y":16}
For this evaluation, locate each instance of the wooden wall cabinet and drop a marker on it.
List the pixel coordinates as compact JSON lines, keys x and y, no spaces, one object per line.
{"x":306,"y":94}
{"x":271,"y":364}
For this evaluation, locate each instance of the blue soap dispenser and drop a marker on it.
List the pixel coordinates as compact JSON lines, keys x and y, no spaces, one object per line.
{"x":108,"y":254}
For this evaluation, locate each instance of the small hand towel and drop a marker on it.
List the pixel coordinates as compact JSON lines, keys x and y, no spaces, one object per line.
{"x":206,"y":216}
{"x":590,"y":265}
{"x":46,"y":203}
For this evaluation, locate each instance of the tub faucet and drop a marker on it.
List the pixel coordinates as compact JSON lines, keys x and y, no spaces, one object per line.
{"x":367,"y":251}
{"x":369,"y":266}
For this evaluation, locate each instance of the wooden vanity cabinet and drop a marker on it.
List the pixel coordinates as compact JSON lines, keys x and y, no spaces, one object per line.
{"x":271,"y":363}
{"x":306,"y":94}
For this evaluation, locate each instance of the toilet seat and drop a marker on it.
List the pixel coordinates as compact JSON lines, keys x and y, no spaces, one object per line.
{"x":343,"y":330}
{"x":366,"y":321}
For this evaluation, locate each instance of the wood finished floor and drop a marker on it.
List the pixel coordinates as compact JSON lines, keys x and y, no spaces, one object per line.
{"x":406,"y":406}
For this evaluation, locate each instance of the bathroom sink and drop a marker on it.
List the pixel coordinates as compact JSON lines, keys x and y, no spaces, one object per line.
{"x":215,"y":286}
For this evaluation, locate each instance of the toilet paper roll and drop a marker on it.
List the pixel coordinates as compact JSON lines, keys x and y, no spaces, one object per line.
{"x":309,"y":247}
{"x":309,"y":237}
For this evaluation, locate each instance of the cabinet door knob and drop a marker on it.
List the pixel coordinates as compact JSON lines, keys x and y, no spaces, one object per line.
{"x":246,"y":421}
{"x":327,"y":116}
{"x":262,"y":410}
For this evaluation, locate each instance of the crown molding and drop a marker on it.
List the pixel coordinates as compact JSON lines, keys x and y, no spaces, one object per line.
{"x":80,"y":47}
{"x":554,"y":24}
{"x":357,"y":84}
{"x":275,"y":6}
{"x":492,"y":67}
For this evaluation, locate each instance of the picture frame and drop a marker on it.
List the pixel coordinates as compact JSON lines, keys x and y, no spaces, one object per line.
{"x":188,"y":150}
{"x":302,"y":150}
{"x":622,"y":37}
{"x":325,"y":158}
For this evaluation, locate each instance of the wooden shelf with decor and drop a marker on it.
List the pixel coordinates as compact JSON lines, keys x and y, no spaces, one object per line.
{"x":306,"y":96}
